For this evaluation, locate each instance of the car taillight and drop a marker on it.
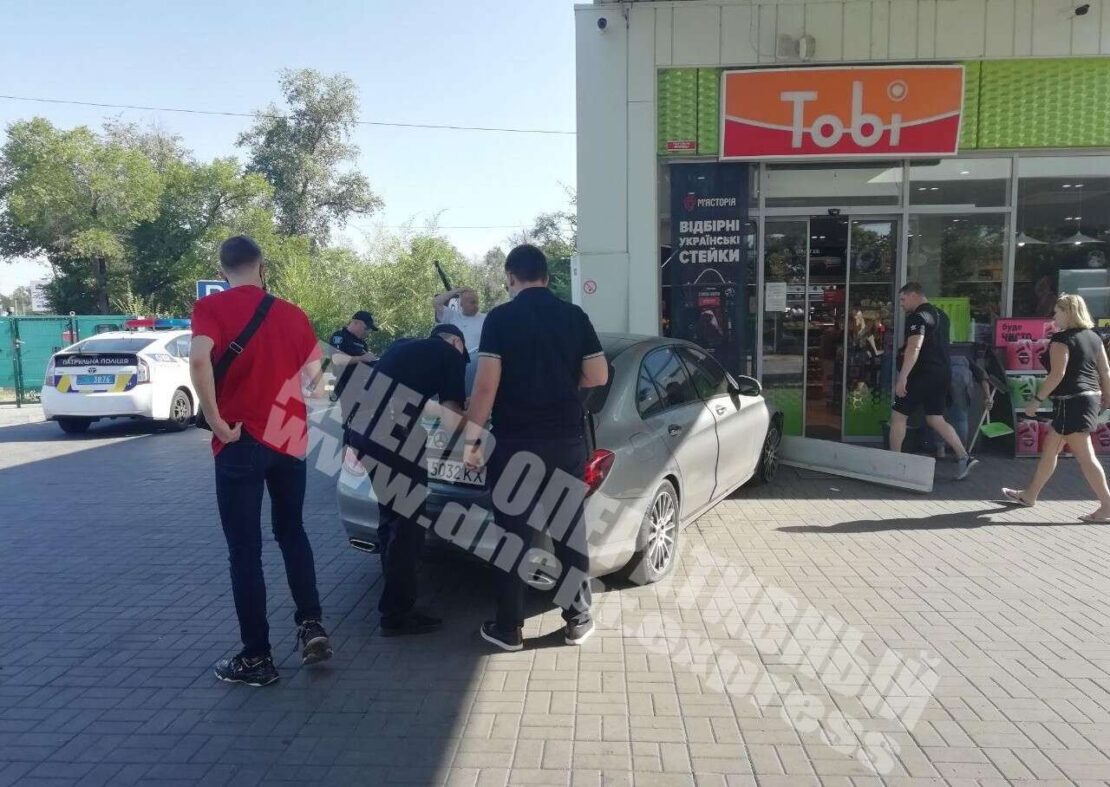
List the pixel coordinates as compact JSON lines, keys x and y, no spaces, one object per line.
{"x":144,"y":372}
{"x":351,"y":463}
{"x":597,"y":469}
{"x":50,"y":380}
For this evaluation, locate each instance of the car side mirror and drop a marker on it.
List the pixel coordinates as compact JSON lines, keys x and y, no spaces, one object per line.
{"x":745,"y":386}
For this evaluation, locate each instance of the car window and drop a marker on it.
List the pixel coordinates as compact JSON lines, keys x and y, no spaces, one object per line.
{"x":180,"y":346}
{"x":709,"y":378}
{"x":648,"y":400}
{"x":124,"y":344}
{"x":670,"y":378}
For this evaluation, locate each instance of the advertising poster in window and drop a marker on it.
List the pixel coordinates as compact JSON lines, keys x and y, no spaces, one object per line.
{"x":708,"y":276}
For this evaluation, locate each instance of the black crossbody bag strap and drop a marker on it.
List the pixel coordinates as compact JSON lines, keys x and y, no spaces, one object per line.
{"x":234,"y":350}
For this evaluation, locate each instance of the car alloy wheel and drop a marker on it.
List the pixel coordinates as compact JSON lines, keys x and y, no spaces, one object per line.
{"x":663,"y":523}
{"x":181,"y":410}
{"x":658,"y":540}
{"x":771,"y":453}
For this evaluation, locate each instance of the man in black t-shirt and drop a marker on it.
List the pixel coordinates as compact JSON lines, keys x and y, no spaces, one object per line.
{"x":385,"y":430}
{"x":925,"y":374}
{"x":536,"y":352}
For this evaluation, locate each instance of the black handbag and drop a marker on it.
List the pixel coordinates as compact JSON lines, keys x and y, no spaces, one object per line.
{"x":234,"y":350}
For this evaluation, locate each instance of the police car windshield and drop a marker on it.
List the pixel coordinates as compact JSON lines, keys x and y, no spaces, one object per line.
{"x":123,"y":344}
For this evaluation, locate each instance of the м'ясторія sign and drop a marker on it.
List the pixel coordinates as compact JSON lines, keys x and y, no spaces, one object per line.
{"x":854,"y":112}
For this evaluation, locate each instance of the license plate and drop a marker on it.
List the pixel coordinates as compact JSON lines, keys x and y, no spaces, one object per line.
{"x":455,"y":472}
{"x":96,"y":379}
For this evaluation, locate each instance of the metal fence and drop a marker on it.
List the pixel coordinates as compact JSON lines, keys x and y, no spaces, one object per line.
{"x":26,"y":344}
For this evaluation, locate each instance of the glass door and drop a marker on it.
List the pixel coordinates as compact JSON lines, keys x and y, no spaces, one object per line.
{"x":869,"y":338}
{"x":828,"y":329}
{"x":784,"y":318}
{"x":826,"y":313}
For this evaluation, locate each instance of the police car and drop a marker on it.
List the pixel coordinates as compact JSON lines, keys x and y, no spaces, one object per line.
{"x":141,"y":372}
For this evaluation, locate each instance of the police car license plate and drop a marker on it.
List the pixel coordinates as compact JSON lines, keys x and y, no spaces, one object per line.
{"x":455,"y":472}
{"x":96,"y":379}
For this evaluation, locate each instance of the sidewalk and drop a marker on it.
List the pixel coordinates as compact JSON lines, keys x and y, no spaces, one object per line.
{"x":10,"y":415}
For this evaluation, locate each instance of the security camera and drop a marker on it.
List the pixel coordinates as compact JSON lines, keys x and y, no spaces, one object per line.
{"x":603,"y":23}
{"x":1081,"y":10}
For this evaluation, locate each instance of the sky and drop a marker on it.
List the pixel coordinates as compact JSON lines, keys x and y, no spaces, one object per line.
{"x":503,"y":63}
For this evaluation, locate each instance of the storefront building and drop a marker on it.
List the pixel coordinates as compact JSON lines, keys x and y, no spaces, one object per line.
{"x":762,"y":177}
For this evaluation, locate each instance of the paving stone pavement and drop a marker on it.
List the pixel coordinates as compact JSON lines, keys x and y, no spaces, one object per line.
{"x":818,"y":631}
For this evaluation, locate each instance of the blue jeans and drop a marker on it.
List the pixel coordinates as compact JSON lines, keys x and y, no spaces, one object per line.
{"x":243,"y":470}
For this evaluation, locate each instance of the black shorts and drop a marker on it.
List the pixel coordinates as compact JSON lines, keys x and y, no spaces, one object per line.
{"x":929,"y":392}
{"x":1076,"y":414}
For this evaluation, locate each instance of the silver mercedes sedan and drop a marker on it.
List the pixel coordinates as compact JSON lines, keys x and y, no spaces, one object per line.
{"x":670,"y":436}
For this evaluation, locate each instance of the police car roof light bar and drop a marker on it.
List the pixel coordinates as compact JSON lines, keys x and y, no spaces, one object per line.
{"x":162,"y":324}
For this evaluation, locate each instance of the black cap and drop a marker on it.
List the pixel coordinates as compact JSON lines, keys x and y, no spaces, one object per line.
{"x":367,"y":318}
{"x":454,"y":330}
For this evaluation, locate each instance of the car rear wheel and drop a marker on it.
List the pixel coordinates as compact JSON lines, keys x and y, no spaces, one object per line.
{"x":769,"y":455}
{"x":181,"y":411}
{"x":660,"y":535}
{"x":74,"y":425}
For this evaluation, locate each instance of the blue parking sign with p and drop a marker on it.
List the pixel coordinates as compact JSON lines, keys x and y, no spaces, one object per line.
{"x":209,"y":286}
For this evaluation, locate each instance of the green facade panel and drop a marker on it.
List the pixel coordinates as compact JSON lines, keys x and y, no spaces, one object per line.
{"x":678,"y":111}
{"x":969,"y":123}
{"x":1045,"y":103}
{"x":709,"y":111}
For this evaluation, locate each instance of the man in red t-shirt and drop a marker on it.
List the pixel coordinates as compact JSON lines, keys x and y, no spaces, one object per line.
{"x":259,"y":438}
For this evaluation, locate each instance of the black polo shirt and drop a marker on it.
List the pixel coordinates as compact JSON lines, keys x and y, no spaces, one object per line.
{"x":541,"y":342}
{"x":431,"y":368}
{"x":346,"y":342}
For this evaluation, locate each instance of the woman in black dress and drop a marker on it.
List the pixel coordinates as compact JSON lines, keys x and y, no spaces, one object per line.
{"x":1078,"y":382}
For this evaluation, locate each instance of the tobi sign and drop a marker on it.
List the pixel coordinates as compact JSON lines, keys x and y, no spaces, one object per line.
{"x":861,"y":112}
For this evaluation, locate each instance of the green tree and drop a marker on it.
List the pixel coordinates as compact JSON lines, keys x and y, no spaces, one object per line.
{"x":74,"y":197}
{"x":302,"y":153}
{"x":201,"y":205}
{"x":491,"y":278}
{"x":556,"y":233}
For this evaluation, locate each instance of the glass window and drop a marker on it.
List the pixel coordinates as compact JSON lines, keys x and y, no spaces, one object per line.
{"x":959,"y":260}
{"x":125,"y":344}
{"x":1063,"y":225}
{"x":821,"y":185}
{"x":670,"y":378}
{"x":709,"y":378}
{"x":181,"y":346}
{"x":974,"y":183}
{"x":648,"y":400}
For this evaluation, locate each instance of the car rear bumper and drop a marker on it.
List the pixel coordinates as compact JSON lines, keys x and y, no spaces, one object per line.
{"x":358,"y":511}
{"x":136,"y":403}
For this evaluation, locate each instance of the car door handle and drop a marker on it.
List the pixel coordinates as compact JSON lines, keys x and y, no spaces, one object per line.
{"x":721,"y":410}
{"x":674,"y":429}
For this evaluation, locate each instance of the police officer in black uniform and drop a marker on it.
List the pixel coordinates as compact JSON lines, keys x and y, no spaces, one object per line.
{"x":350,"y":348}
{"x":536,"y":352}
{"x":350,"y":340}
{"x":385,"y":421}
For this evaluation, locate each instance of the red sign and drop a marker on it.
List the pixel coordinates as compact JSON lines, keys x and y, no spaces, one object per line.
{"x":589,"y":286}
{"x":682,"y":144}
{"x":853,"y":112}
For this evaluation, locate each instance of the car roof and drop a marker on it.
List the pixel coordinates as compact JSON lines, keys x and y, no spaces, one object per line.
{"x":154,"y":336}
{"x":143,"y":334}
{"x":613,"y":344}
